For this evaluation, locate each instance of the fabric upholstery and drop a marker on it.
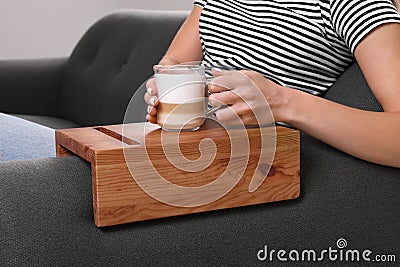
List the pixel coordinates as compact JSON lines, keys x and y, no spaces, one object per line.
{"x":51,"y":122}
{"x":95,"y":84}
{"x":111,"y":61}
{"x":31,"y":86}
{"x":22,"y":140}
{"x":47,"y":218}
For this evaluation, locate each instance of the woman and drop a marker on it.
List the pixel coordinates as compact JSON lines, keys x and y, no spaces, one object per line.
{"x":306,"y":45}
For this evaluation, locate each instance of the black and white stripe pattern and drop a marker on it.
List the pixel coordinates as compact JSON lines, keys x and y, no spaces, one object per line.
{"x":304,"y":45}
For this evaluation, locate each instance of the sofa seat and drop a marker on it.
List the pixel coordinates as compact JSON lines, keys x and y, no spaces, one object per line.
{"x":48,"y":121}
{"x":47,"y":218}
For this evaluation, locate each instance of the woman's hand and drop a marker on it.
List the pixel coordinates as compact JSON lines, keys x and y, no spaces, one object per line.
{"x":152,"y":101}
{"x":251,"y":97}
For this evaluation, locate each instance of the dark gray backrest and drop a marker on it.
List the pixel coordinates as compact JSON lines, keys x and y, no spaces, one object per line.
{"x":113,"y":58}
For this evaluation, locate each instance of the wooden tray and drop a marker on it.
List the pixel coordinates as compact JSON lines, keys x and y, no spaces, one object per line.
{"x":118,"y":151}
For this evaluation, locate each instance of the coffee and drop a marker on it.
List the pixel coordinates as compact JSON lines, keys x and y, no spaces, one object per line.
{"x":181,"y":94}
{"x":185,"y":116}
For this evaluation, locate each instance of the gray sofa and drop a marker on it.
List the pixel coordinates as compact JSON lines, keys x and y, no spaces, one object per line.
{"x":46,"y":216}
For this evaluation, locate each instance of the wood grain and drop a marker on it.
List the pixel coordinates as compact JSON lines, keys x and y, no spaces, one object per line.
{"x":124,"y":156}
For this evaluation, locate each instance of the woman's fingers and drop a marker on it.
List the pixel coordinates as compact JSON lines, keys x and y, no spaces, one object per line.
{"x":220,"y":81}
{"x":151,"y":99}
{"x":223,"y":98}
{"x":230,"y":115}
{"x":151,"y":110}
{"x":227,"y":80}
{"x":152,"y":119}
{"x":151,"y":87}
{"x":242,"y":113}
{"x":150,"y":96}
{"x":214,"y":87}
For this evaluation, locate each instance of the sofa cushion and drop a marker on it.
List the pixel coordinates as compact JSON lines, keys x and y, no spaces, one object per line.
{"x":51,"y":122}
{"x":111,"y":61}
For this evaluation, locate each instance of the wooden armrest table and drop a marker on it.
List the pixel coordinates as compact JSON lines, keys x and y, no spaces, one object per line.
{"x":119,"y":198}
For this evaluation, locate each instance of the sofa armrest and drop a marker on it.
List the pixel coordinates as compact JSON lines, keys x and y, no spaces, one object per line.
{"x":47,"y":218}
{"x":31,"y":86}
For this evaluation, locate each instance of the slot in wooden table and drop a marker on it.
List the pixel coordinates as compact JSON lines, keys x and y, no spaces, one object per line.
{"x":117,"y":151}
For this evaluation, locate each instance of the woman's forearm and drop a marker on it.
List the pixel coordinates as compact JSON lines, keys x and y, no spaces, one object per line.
{"x":168,"y":61}
{"x":372,"y":136}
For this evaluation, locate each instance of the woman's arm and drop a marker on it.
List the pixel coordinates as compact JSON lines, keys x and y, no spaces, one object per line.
{"x":372,"y":136}
{"x":379,"y":58}
{"x":185,"y":47}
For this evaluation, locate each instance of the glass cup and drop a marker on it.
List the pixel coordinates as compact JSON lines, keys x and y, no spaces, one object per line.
{"x":182,"y":97}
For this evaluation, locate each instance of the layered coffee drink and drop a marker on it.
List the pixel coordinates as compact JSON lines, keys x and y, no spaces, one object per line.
{"x":181,"y":94}
{"x":185,"y":116}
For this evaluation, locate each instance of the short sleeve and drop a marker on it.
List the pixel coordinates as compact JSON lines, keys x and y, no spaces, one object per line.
{"x":200,"y":3}
{"x":354,"y":19}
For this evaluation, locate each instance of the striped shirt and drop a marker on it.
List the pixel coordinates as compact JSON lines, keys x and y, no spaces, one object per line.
{"x":304,"y":45}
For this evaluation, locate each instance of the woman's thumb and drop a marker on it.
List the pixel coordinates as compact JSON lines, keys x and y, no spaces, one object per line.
{"x":220,"y":72}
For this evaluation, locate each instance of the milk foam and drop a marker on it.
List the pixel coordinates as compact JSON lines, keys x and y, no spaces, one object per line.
{"x":179,"y":88}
